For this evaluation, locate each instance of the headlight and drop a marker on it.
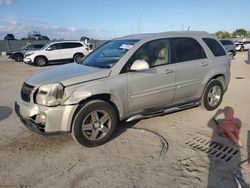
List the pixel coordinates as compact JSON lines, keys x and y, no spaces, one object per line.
{"x":50,"y":95}
{"x":29,"y":54}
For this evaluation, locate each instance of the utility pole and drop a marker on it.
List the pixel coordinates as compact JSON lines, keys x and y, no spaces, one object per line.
{"x":139,"y":25}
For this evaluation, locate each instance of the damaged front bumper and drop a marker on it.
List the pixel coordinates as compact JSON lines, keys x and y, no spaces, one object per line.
{"x":55,"y":119}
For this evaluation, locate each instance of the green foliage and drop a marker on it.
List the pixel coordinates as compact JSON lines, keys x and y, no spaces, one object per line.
{"x":223,"y":34}
{"x":240,"y":33}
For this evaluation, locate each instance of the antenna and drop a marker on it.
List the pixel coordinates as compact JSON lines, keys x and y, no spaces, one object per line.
{"x":188,"y":28}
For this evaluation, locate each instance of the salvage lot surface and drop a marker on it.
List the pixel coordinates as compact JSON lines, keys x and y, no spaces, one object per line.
{"x":132,"y":158}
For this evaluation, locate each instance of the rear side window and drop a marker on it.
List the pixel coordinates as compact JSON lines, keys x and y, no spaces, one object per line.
{"x":215,"y":47}
{"x":186,"y":49}
{"x":76,"y":45}
{"x":71,"y":45}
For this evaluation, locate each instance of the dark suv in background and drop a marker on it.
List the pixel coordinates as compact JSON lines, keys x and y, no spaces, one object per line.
{"x":18,"y":54}
{"x":229,"y":46}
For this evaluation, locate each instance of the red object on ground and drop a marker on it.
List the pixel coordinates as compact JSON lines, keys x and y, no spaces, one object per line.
{"x":229,"y":126}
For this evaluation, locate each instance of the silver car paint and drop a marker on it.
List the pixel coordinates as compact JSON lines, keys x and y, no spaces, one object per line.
{"x":131,"y":92}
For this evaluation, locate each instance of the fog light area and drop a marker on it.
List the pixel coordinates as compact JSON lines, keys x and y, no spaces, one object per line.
{"x":41,"y":119}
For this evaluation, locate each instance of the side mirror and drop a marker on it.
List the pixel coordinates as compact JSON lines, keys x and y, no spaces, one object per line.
{"x":49,"y":49}
{"x":139,"y":65}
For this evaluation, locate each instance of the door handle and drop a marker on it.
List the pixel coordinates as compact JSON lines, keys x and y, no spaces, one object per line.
{"x":169,"y":71}
{"x":203,"y":64}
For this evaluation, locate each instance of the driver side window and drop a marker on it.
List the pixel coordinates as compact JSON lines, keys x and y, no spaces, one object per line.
{"x":155,"y":53}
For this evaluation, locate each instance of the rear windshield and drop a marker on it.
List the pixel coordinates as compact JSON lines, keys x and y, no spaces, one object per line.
{"x":215,"y":47}
{"x":108,"y":54}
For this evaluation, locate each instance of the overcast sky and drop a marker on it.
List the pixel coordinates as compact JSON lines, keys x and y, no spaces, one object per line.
{"x":104,"y":19}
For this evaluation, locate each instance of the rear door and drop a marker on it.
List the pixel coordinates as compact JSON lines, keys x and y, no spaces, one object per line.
{"x":191,"y":67}
{"x":153,"y":87}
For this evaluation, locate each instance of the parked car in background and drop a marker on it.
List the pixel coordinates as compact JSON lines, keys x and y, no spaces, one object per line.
{"x":128,"y":78}
{"x":18,"y":54}
{"x":57,"y":51}
{"x":242,"y":46}
{"x":9,"y":37}
{"x":229,"y":46}
{"x":44,"y":38}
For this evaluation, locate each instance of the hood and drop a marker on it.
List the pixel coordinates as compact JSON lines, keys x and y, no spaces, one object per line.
{"x":68,"y":74}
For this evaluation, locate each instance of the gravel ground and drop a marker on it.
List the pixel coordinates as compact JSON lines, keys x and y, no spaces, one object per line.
{"x":135,"y":157}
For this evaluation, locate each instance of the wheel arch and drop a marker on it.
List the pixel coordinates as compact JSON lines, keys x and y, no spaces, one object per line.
{"x":219,"y":77}
{"x":40,"y":56}
{"x":104,"y":97}
{"x":18,"y":53}
{"x":77,"y":54}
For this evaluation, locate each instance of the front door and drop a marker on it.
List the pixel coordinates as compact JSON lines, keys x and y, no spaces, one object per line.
{"x":153,"y":87}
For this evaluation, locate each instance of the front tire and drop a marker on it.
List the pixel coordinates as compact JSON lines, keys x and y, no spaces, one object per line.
{"x":40,"y":61}
{"x":213,"y":95}
{"x":94,"y":123}
{"x":18,"y":57}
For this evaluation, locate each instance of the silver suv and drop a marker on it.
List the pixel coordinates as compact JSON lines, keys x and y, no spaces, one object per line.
{"x":127,"y":78}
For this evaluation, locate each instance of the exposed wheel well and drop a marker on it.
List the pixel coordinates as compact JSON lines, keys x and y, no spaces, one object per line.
{"x":104,"y":97}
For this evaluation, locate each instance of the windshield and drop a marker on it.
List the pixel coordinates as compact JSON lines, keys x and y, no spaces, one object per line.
{"x":45,"y":47}
{"x":108,"y":54}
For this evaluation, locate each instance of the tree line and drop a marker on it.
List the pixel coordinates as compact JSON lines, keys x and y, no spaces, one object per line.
{"x":238,"y":33}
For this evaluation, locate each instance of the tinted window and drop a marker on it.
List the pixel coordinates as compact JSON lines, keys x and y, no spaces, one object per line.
{"x":155,"y":53}
{"x":226,"y":42}
{"x":38,"y":46}
{"x":186,"y":49}
{"x":58,"y":46}
{"x":215,"y":47}
{"x":71,"y":45}
{"x":67,"y":45}
{"x":76,"y":45}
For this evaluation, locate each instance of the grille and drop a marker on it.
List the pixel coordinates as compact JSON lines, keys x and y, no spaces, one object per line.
{"x":213,"y":149}
{"x":26,"y":91}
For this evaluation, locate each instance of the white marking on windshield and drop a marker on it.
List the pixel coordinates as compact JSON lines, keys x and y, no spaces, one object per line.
{"x":126,"y":46}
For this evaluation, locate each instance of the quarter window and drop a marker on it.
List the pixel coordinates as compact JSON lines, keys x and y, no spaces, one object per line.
{"x":186,"y":49}
{"x":215,"y":47}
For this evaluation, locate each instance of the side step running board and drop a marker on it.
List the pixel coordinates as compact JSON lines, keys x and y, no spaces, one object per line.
{"x":165,"y":111}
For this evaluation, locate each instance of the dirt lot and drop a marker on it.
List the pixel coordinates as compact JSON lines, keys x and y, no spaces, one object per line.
{"x":134,"y":157}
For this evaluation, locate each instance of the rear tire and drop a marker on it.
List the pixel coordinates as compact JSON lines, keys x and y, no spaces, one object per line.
{"x":231,"y":55}
{"x":18,"y":57}
{"x":213,"y":95}
{"x":94,"y":123}
{"x":78,"y":58}
{"x":40,"y":61}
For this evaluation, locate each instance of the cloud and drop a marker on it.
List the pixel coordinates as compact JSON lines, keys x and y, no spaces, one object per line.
{"x":21,"y":28}
{"x":7,"y":2}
